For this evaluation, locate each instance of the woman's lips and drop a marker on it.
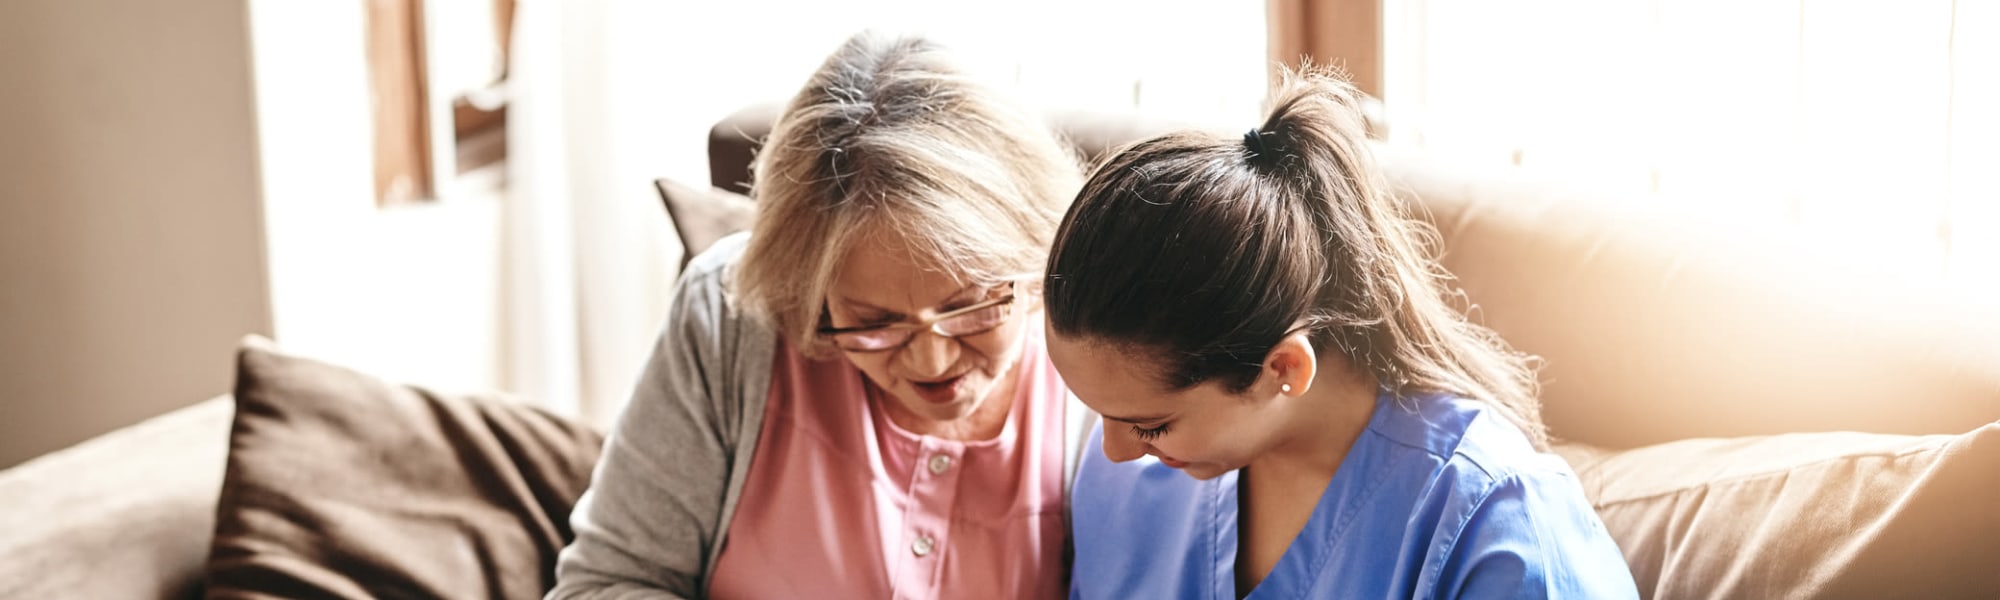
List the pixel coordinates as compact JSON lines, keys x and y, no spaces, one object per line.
{"x":941,"y":391}
{"x":1171,"y":462}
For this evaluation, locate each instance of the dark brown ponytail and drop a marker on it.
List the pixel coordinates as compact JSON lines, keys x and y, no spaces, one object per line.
{"x":1200,"y":252}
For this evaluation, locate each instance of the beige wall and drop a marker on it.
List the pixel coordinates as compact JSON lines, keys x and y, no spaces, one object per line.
{"x":131,"y":244}
{"x":174,"y":175}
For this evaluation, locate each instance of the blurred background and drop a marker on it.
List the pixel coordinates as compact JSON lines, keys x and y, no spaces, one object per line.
{"x":457,"y":193}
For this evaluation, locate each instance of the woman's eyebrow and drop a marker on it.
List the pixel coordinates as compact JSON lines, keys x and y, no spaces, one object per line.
{"x":961,"y":294}
{"x":864,"y":306}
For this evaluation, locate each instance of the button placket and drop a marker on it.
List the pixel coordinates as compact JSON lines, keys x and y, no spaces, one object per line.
{"x":927,"y":521}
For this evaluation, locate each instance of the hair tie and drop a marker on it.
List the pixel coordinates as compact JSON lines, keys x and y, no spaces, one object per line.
{"x":1254,"y":140}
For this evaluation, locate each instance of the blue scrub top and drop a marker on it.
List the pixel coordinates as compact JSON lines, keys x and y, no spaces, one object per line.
{"x":1438,"y":498}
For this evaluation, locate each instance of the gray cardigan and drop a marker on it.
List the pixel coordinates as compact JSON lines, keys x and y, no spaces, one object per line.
{"x":659,"y":505}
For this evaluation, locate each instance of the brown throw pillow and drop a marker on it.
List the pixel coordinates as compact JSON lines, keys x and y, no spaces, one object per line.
{"x":703,"y":215}
{"x":1807,"y":515}
{"x":340,"y":485}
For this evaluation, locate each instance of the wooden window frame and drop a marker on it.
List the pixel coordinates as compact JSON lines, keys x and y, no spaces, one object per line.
{"x":411,"y":164}
{"x":1342,"y":33}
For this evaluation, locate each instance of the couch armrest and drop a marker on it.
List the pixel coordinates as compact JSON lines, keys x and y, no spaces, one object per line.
{"x":125,"y":515}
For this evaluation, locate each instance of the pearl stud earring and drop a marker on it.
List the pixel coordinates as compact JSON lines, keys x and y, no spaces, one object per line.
{"x":1286,"y":388}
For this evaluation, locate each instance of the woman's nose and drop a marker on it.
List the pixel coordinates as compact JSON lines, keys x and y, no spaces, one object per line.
{"x":929,"y":354}
{"x":1121,"y":445}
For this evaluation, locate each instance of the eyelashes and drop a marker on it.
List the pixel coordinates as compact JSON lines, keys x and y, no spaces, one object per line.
{"x":1152,"y":433}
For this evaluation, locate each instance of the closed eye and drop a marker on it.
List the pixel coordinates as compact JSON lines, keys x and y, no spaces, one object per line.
{"x":1148,"y":434}
{"x":873,"y":318}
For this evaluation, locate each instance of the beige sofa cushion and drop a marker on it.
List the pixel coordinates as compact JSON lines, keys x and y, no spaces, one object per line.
{"x":1806,"y":515}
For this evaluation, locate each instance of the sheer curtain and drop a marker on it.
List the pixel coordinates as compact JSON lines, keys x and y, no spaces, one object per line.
{"x":538,"y":251}
{"x":1870,"y":129}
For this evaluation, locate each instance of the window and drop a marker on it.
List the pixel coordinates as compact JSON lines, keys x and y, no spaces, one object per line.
{"x":1873,"y":126}
{"x":437,"y":71}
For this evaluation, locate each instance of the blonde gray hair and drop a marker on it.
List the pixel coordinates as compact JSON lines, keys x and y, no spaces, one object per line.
{"x":891,"y":138}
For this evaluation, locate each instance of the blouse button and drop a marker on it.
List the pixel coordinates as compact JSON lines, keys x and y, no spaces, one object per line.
{"x":922,"y":546}
{"x":939,"y":463}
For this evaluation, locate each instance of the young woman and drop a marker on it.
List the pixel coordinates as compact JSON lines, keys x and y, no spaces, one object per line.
{"x":855,"y":402}
{"x":1258,"y":314}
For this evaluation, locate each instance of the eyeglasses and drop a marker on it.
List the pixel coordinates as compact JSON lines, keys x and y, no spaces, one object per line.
{"x":972,"y":320}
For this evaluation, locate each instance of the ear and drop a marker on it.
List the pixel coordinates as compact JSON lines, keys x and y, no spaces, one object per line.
{"x":1290,"y":366}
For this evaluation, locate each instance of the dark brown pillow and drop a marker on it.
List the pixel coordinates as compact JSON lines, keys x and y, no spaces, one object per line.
{"x":340,"y":485}
{"x":1808,"y":515}
{"x":702,"y":216}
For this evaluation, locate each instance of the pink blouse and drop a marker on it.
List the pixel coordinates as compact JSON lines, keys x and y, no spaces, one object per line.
{"x":841,"y":503}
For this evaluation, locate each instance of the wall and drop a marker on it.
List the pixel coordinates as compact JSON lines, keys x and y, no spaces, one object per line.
{"x":176,"y":175}
{"x":130,"y":234}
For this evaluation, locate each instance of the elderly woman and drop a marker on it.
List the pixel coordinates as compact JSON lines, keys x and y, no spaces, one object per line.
{"x":855,"y":401}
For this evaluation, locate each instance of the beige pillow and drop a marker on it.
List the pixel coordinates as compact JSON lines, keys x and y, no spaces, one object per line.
{"x":703,"y":215}
{"x":340,"y":485}
{"x":1807,"y":515}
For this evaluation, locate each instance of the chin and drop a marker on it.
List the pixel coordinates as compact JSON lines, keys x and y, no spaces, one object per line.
{"x":955,"y":410}
{"x":1205,"y":472}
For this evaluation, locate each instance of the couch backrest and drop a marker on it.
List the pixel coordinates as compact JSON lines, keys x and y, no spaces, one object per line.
{"x":1653,"y":325}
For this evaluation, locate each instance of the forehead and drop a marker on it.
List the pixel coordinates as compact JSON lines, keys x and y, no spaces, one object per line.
{"x":1111,"y":380}
{"x":884,"y":269}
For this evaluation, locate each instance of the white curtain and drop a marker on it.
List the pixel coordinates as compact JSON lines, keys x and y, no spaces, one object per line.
{"x":540,"y":339}
{"x":590,"y":252}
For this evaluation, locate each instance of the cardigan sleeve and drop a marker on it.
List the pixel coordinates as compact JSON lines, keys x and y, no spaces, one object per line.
{"x":661,"y":495}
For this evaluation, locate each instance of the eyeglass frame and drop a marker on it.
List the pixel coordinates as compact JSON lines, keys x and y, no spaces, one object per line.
{"x":929,"y":324}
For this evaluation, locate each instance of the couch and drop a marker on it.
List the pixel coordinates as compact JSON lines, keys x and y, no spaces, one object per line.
{"x":1708,"y":388}
{"x":309,"y":480}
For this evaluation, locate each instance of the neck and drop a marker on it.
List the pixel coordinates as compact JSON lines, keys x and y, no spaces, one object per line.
{"x":1327,"y":419}
{"x":1279,"y":489}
